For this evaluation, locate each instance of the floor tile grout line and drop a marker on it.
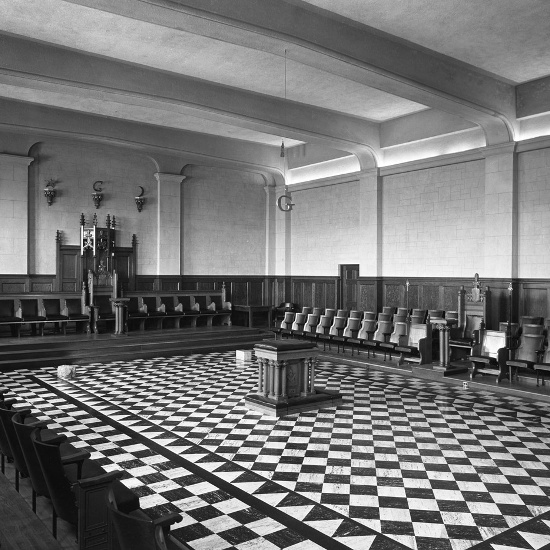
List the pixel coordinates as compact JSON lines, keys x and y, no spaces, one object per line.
{"x":313,"y":534}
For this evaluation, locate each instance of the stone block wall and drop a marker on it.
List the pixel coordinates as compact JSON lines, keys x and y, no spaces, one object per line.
{"x":13,"y":214}
{"x":224,"y":219}
{"x":433,"y":221}
{"x":325,"y":229}
{"x":76,"y":166}
{"x":534,"y":214}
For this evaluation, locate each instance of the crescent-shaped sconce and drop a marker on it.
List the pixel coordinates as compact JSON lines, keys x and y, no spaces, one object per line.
{"x":97,"y":195}
{"x":140,"y":199}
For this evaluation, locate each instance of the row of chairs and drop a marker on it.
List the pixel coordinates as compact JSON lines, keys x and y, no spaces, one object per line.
{"x":177,"y":310}
{"x":529,"y":354}
{"x":57,"y":311}
{"x":384,"y":332}
{"x":80,"y":491}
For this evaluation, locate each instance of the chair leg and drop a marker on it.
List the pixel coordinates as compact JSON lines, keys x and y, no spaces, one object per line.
{"x":34,"y":501}
{"x":3,"y":464}
{"x":16,"y":479}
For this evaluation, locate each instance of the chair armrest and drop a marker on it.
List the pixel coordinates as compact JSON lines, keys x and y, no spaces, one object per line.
{"x":167,"y":520}
{"x":107,"y":477}
{"x":79,"y":456}
{"x":61,"y":438}
{"x":9,"y":402}
{"x":24,"y":412}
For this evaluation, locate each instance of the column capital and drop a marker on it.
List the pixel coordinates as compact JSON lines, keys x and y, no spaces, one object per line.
{"x":169,"y":178}
{"x":500,"y":149}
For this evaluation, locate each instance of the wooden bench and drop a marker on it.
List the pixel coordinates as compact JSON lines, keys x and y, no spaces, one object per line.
{"x":40,"y":311}
{"x":489,"y":356}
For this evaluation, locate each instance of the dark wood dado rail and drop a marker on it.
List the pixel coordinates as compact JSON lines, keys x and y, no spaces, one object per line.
{"x":529,"y":296}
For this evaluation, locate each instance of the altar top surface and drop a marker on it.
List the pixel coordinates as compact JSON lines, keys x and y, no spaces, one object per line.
{"x":284,"y":345}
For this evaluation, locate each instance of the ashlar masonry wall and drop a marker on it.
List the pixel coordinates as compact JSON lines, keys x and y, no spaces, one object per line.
{"x":224,"y":213}
{"x":325,"y":229}
{"x":534,"y":214}
{"x":433,"y":221}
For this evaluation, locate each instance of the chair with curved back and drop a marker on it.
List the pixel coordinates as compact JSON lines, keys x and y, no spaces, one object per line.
{"x":23,"y":427}
{"x":351,"y":330}
{"x":5,"y":449}
{"x":399,"y":337}
{"x":356,"y":314}
{"x":78,"y":488}
{"x":336,"y":329}
{"x":366,"y":333}
{"x":526,"y":355}
{"x":419,"y":315}
{"x":389,"y":309}
{"x":74,"y":310}
{"x":532,"y":328}
{"x":530,"y":320}
{"x":286,"y":324}
{"x":317,"y":311}
{"x":310,"y":327}
{"x":134,"y":313}
{"x":384,"y":317}
{"x":382,"y":334}
{"x":298,"y":324}
{"x":9,"y":441}
{"x":369,"y":316}
{"x":153,"y":310}
{"x":436,"y":314}
{"x":52,"y":309}
{"x":330,"y":313}
{"x":323,"y":327}
{"x":137,"y":531}
{"x":284,"y":307}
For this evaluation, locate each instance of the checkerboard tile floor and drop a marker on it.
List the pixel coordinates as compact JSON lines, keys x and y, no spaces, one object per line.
{"x":403,"y":463}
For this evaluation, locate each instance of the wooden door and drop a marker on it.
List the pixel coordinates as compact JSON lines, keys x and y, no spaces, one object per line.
{"x":349,"y":278}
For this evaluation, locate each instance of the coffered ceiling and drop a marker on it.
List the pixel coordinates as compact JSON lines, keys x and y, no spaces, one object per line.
{"x":352,"y":76}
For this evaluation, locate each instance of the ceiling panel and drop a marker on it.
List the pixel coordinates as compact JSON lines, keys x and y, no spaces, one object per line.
{"x":508,"y":38}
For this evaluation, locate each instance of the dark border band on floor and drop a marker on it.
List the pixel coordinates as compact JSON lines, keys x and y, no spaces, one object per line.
{"x":270,"y":511}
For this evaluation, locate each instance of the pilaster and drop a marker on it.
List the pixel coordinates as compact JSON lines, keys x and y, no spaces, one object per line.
{"x":501,"y":211}
{"x":370,"y":223}
{"x":169,"y":223}
{"x":14,"y":214}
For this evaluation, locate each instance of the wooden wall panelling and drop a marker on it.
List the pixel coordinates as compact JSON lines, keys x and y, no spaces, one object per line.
{"x":535,"y":300}
{"x":430,"y":296}
{"x":308,"y":294}
{"x":319,"y":295}
{"x":330,"y":295}
{"x":450,"y":298}
{"x":239,"y":293}
{"x":392,"y":295}
{"x":255,"y":293}
{"x":298,"y":293}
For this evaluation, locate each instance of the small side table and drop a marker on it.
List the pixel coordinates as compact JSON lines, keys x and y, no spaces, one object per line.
{"x":120,"y":315}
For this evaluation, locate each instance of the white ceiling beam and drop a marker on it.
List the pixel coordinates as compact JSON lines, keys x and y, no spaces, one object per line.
{"x":29,"y":64}
{"x":345,"y":48}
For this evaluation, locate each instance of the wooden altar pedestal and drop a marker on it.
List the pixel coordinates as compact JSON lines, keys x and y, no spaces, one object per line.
{"x":286,"y":379}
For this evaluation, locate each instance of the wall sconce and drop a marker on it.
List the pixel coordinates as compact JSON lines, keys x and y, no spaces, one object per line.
{"x":97,"y":195}
{"x":49,"y":190}
{"x":140,"y":199}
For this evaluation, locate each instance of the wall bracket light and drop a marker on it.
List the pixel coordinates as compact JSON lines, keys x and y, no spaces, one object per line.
{"x":97,"y":195}
{"x":49,"y":190}
{"x":140,"y":199}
